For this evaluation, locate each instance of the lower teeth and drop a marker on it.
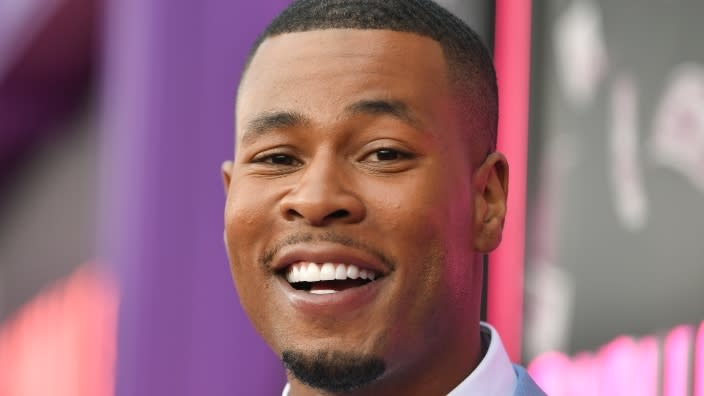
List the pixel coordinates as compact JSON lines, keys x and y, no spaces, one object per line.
{"x":329,"y":287}
{"x":323,"y":291}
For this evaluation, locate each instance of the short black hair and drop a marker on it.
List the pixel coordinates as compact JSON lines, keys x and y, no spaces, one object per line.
{"x":470,"y":67}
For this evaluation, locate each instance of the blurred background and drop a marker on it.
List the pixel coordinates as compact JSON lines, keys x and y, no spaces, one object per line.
{"x":116,"y":115}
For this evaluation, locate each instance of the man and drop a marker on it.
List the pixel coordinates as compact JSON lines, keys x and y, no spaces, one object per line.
{"x":364,"y":191}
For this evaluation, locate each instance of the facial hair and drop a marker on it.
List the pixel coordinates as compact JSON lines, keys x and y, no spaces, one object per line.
{"x":334,"y":372}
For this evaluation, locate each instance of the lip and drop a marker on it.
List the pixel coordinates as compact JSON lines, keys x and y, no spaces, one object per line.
{"x":329,"y":253}
{"x":335,"y":304}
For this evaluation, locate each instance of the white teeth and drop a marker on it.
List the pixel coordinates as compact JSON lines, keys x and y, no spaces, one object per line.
{"x":293,"y":275}
{"x":327,"y":272}
{"x":352,"y":272}
{"x":341,"y":272}
{"x":313,"y":272}
{"x":296,"y":274}
{"x":323,"y":291}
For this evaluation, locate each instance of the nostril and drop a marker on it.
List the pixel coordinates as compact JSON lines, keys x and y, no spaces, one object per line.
{"x":292,"y":213}
{"x":339,"y":214}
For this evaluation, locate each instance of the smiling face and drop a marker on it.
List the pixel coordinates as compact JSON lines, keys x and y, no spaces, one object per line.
{"x":350,"y":164}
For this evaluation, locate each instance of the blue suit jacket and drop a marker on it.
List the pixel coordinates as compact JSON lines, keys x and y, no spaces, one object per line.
{"x":525,"y":385}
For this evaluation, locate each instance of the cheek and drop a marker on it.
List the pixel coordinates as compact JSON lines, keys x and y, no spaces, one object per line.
{"x":434,"y":205}
{"x":428,"y":229}
{"x":247,"y":217}
{"x":247,"y":229}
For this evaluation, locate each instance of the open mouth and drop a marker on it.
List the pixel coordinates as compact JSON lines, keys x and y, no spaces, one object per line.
{"x":328,"y":278}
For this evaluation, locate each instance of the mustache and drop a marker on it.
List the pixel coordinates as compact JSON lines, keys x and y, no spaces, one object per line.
{"x":267,"y":258}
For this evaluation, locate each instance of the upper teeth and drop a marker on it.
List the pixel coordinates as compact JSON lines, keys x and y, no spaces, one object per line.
{"x":314,"y":272}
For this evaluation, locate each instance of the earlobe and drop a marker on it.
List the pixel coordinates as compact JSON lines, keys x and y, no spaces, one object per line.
{"x":490,"y":182}
{"x":226,"y":169}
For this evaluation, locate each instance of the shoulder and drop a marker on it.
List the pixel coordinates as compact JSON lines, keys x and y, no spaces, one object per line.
{"x":525,"y":385}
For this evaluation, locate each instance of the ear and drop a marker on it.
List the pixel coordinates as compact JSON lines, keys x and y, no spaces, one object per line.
{"x":490,"y":181}
{"x":226,"y":169}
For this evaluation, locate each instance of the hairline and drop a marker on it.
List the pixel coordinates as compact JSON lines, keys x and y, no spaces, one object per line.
{"x":451,"y":64}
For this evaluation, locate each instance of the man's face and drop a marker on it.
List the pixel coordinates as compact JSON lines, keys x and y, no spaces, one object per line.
{"x":350,"y":156}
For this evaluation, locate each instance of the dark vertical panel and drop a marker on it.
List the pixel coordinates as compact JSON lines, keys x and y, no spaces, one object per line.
{"x":478,"y":14}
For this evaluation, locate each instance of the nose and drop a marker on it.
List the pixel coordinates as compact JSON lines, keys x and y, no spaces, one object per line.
{"x":321,"y":197}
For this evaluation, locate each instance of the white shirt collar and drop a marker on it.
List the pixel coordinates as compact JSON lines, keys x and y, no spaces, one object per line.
{"x":494,"y":376}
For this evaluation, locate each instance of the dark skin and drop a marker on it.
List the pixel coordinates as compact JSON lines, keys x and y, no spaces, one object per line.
{"x":358,"y":133}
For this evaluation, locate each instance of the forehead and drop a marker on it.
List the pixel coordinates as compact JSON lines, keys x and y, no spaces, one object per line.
{"x":318,"y":71}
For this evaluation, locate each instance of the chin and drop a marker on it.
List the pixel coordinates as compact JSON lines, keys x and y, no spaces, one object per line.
{"x":332,"y":370}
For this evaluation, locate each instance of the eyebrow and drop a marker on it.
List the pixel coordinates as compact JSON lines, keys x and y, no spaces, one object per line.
{"x":281,"y":119}
{"x":269,"y":121}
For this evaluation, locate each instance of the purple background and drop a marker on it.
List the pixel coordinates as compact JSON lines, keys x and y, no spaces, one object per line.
{"x":171,"y":70}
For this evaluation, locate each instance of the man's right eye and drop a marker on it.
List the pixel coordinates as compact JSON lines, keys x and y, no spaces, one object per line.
{"x":278,"y":159}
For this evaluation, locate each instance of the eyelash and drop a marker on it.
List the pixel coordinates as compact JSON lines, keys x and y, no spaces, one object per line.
{"x":400,"y":154}
{"x":270,"y":158}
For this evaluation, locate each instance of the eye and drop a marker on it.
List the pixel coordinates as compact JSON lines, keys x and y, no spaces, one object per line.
{"x":277,"y":159}
{"x":387,"y":154}
{"x":281,"y":159}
